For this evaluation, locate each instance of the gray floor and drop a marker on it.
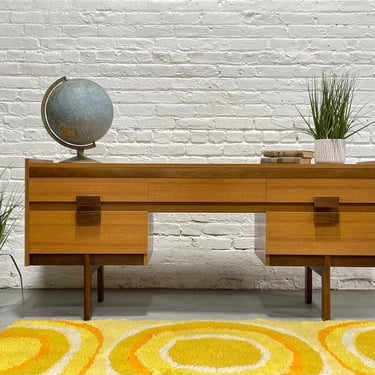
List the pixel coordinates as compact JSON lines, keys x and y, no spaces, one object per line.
{"x":183,"y":304}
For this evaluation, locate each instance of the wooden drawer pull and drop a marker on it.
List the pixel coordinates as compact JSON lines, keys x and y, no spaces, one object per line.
{"x":326,"y":218}
{"x":326,"y":210}
{"x":88,"y":210}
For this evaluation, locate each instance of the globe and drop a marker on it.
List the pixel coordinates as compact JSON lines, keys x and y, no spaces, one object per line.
{"x":77,"y":113}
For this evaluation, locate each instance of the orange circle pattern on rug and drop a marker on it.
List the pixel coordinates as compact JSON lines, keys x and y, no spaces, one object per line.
{"x":352,"y":344}
{"x":60,"y":347}
{"x":204,"y":348}
{"x":123,"y":347}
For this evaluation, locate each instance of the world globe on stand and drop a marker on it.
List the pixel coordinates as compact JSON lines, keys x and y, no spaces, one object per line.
{"x":77,"y":113}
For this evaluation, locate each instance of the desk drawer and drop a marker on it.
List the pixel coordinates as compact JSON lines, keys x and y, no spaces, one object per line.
{"x":303,"y":190}
{"x":56,"y":232}
{"x":192,"y":190}
{"x":51,"y":189}
{"x":295,"y":233}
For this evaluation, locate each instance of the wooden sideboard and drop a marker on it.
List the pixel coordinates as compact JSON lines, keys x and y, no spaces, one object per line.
{"x":96,"y":214}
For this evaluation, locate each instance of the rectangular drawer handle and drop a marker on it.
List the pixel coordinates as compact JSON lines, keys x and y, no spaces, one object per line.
{"x":326,"y":210}
{"x":88,"y":210}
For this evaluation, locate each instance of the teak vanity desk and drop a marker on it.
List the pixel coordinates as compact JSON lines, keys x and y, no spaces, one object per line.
{"x":96,"y":214}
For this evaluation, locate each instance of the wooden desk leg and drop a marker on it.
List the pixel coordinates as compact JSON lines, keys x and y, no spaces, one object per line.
{"x":100,"y":283}
{"x":326,"y":289}
{"x":86,"y":287}
{"x":308,"y":285}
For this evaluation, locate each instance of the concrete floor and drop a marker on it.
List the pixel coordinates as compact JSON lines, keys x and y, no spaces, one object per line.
{"x":183,"y":304}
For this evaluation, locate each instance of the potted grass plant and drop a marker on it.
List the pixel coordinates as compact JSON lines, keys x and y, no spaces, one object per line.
{"x":10,"y":212}
{"x":334,"y":117}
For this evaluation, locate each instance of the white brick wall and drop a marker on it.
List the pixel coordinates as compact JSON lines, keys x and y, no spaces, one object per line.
{"x":191,"y":81}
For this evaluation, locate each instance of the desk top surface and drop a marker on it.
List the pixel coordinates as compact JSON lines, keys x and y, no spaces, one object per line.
{"x":39,"y":168}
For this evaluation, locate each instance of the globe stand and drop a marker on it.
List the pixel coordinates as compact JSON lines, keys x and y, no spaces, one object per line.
{"x":80,"y":157}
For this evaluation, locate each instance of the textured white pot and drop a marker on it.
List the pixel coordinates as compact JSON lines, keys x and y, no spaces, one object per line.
{"x":330,"y":151}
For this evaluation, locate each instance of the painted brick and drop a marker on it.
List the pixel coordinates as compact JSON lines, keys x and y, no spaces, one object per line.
{"x":191,"y":82}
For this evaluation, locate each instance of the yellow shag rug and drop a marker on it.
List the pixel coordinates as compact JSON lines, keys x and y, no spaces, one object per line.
{"x":261,"y":347}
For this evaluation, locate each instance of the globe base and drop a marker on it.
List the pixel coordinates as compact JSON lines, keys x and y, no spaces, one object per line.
{"x":79,"y":158}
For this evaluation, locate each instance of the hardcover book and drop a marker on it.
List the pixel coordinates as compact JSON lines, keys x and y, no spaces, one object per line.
{"x":289,"y":153}
{"x":285,"y":160}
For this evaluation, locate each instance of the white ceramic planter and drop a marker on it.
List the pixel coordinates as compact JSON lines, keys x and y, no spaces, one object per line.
{"x":330,"y":151}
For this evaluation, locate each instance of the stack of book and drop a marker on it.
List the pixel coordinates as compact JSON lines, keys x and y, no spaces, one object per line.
{"x":287,"y":156}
